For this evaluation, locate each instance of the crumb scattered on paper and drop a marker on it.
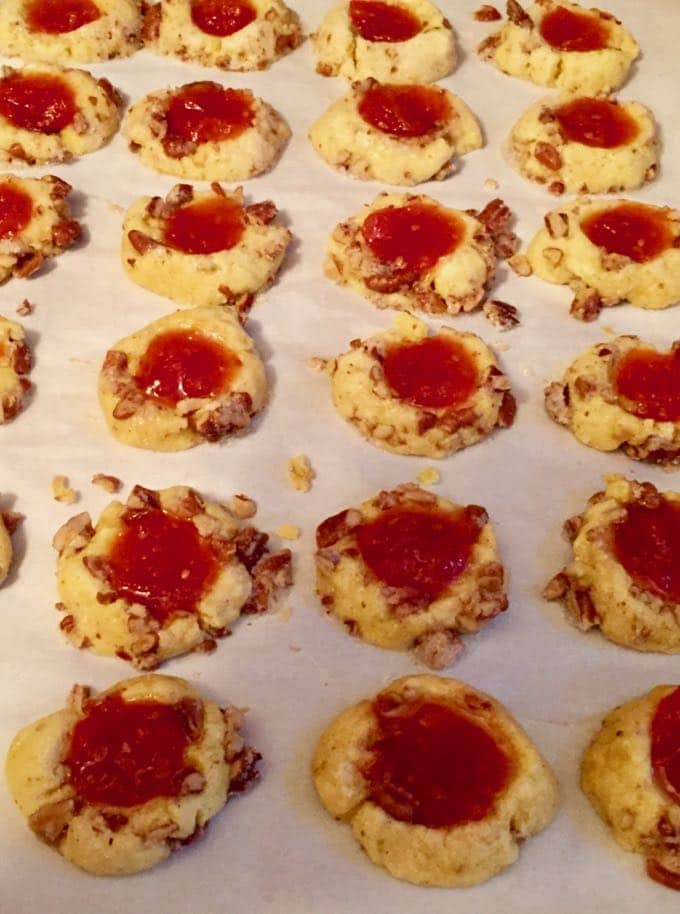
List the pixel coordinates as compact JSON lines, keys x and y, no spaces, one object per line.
{"x":108,"y":483}
{"x":288,"y":532}
{"x":300,"y":473}
{"x":519,"y":264}
{"x":491,"y":184}
{"x":26,"y":308}
{"x":429,"y":476}
{"x":243,"y":506}
{"x":62,"y":492}
{"x":285,"y":613}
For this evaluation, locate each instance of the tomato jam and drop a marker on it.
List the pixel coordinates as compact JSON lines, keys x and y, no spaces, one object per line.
{"x":39,"y":102}
{"x":16,"y":209}
{"x":596,"y":122}
{"x":648,"y":382}
{"x":55,"y":17}
{"x":405,"y":111}
{"x":665,"y":750}
{"x":647,"y":544}
{"x":433,"y":373}
{"x":222,"y":17}
{"x":376,"y":21}
{"x":416,"y":234}
{"x":208,"y":113}
{"x":632,"y":229}
{"x":210,"y":225}
{"x":567,"y":30}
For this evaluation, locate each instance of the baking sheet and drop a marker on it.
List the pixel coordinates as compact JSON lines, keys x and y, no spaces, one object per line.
{"x":276,"y":850}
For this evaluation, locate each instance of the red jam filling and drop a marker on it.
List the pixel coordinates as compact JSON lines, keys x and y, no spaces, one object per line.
{"x":40,"y":102}
{"x":123,"y":753}
{"x":16,"y":208}
{"x":376,"y":21}
{"x":59,"y":16}
{"x":423,"y":550}
{"x":209,"y":113}
{"x":433,"y":373}
{"x":433,"y":765}
{"x":650,"y":383}
{"x":405,"y":111}
{"x":417,"y":234}
{"x":647,"y":544}
{"x":211,"y":225}
{"x":632,"y":229}
{"x":180,"y":364}
{"x":596,"y":122}
{"x":567,"y":30}
{"x":666,"y":745}
{"x":161,"y":562}
{"x":222,"y":17}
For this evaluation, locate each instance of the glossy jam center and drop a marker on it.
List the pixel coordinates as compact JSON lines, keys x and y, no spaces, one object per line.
{"x":161,"y":562}
{"x":419,"y":549}
{"x":211,"y":225}
{"x":127,"y":752}
{"x":376,"y":21}
{"x":647,"y":544}
{"x":417,"y":234}
{"x":208,"y":113}
{"x":434,"y":766}
{"x":404,"y":111}
{"x":436,"y":372}
{"x":222,"y":17}
{"x":666,"y":745}
{"x":185,"y":363}
{"x":650,"y":382}
{"x":567,"y":30}
{"x":59,"y":16}
{"x":40,"y":102}
{"x":16,"y":208}
{"x":596,"y":122}
{"x":637,"y":231}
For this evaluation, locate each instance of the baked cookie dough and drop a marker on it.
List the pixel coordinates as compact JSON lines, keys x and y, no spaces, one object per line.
{"x":9,"y":521}
{"x":206,"y":132}
{"x":404,"y":41}
{"x":624,"y":576}
{"x":162,"y":575}
{"x":230,"y":34}
{"x":117,"y":782}
{"x":203,"y":248}
{"x":403,"y":769}
{"x":410,"y":393}
{"x":407,"y":569}
{"x":190,"y":377}
{"x":15,"y":364}
{"x":70,"y":31}
{"x":622,"y":393}
{"x":402,"y":134}
{"x":76,"y":114}
{"x":610,"y":252}
{"x":554,"y":43}
{"x":630,"y":773}
{"x":409,"y":252}
{"x":586,"y":145}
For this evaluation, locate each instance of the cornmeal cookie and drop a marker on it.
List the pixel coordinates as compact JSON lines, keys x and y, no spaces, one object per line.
{"x":622,"y":393}
{"x":119,"y":781}
{"x":554,"y":43}
{"x":70,"y":31}
{"x":438,"y":782}
{"x":15,"y":364}
{"x":203,"y":248}
{"x":231,"y":34}
{"x":206,"y":132}
{"x":429,"y":396}
{"x":402,"y":134}
{"x":410,"y":252}
{"x":625,"y":574}
{"x":9,"y":521}
{"x":49,"y":114}
{"x":631,"y":775}
{"x":586,"y":145}
{"x":404,"y":41}
{"x":162,"y":575}
{"x":609,"y":252}
{"x":407,"y":569}
{"x":190,"y":377}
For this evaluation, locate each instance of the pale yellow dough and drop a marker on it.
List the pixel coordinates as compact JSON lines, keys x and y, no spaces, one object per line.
{"x":6,"y":551}
{"x":15,"y":364}
{"x":117,"y":840}
{"x":142,"y":421}
{"x":460,"y":855}
{"x":428,"y":56}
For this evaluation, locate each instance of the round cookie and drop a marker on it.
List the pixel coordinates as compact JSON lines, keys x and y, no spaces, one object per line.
{"x":407,"y":569}
{"x":402,"y":134}
{"x":117,"y":782}
{"x":230,"y":34}
{"x":403,"y":770}
{"x":162,"y":575}
{"x":609,"y":252}
{"x":622,"y":393}
{"x":404,"y":41}
{"x":623,"y":577}
{"x":428,"y":396}
{"x":630,"y":774}
{"x":203,"y":248}
{"x":555,"y":43}
{"x":15,"y":364}
{"x":206,"y":132}
{"x":586,"y":145}
{"x":190,"y":377}
{"x":77,"y":114}
{"x":70,"y":31}
{"x":409,"y":252}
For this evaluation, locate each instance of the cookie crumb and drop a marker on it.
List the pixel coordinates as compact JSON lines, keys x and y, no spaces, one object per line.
{"x":294,"y":648}
{"x":486,"y":13}
{"x":520,"y":265}
{"x":288,"y":532}
{"x":108,"y":483}
{"x":26,"y":308}
{"x":501,"y":314}
{"x":430,"y":476}
{"x":285,"y":613}
{"x":62,"y":492}
{"x":300,"y":473}
{"x":316,"y":363}
{"x":243,"y":507}
{"x":491,"y":184}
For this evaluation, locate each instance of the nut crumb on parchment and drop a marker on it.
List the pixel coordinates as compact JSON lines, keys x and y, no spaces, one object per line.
{"x":300,"y":473}
{"x":62,"y":492}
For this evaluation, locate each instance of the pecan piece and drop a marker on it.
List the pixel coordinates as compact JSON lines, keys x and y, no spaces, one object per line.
{"x":586,"y":305}
{"x":270,"y":572}
{"x":264,"y":212}
{"x":65,"y":232}
{"x":336,"y":527}
{"x":501,"y":314}
{"x":487,"y":13}
{"x":548,"y":155}
{"x":152,"y":23}
{"x":143,"y":243}
{"x":439,"y":649}
{"x":517,"y":15}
